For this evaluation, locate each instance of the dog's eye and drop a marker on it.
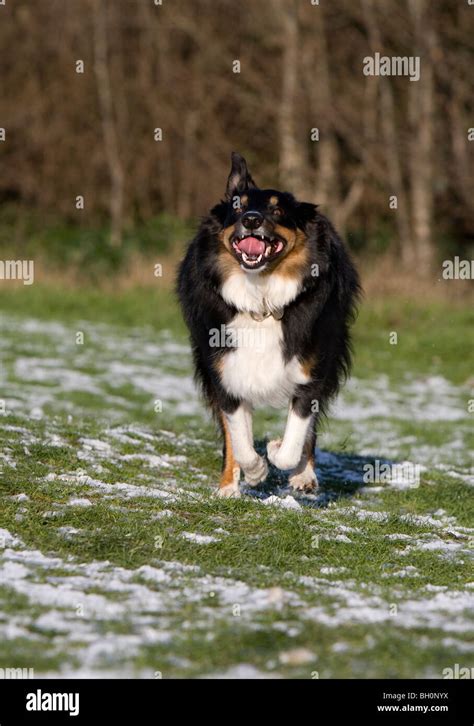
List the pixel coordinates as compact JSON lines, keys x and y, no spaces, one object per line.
{"x":277,"y":212}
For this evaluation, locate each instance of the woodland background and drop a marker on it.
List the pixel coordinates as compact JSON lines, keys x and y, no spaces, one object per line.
{"x":170,"y":66}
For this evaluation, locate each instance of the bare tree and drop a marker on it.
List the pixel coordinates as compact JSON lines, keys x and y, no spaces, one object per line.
{"x":291,"y":165}
{"x":421,"y":107}
{"x":319,"y":90}
{"x":301,"y":67}
{"x":109,"y":129}
{"x":391,"y":142}
{"x":395,"y":173}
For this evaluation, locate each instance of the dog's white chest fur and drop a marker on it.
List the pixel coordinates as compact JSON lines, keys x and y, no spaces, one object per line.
{"x":256,"y":371}
{"x":251,"y":292}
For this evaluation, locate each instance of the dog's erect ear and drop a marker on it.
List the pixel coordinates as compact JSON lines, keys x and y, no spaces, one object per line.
{"x":239,"y":179}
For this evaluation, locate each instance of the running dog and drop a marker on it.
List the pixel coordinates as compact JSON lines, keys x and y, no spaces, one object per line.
{"x":268,"y":292}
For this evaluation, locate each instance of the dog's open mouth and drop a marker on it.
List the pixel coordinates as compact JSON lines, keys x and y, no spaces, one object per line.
{"x":255,"y":250}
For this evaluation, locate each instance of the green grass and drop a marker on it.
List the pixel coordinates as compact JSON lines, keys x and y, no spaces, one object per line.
{"x":65,"y":245}
{"x":135,"y":307}
{"x":433,"y":339}
{"x":341,"y":587}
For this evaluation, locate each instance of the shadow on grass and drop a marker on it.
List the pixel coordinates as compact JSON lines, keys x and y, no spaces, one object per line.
{"x":339,"y":475}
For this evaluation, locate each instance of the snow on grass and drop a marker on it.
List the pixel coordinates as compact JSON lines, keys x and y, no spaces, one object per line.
{"x":287,"y":502}
{"x":425,"y":399}
{"x":86,"y":414}
{"x":75,"y":601}
{"x":105,"y":367}
{"x":121,"y":489}
{"x":151,"y":599}
{"x":79,"y":502}
{"x":199,"y":538}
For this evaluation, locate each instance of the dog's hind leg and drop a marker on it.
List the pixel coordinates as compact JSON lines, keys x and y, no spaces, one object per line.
{"x":230,"y":476}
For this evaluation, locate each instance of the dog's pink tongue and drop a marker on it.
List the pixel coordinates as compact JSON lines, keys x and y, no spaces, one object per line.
{"x":252,"y":246}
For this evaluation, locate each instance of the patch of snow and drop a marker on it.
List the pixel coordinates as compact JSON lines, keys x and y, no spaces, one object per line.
{"x":287,"y":502}
{"x":199,"y":538}
{"x":80,"y":502}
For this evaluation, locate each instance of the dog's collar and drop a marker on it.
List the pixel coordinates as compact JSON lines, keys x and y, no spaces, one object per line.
{"x":277,"y":314}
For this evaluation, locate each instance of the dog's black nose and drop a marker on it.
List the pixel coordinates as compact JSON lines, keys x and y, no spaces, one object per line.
{"x":252,"y":220}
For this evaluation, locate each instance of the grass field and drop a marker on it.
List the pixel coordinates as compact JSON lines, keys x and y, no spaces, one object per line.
{"x":116,"y":558}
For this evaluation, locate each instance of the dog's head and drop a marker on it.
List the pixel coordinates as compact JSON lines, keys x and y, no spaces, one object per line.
{"x":260,"y":227}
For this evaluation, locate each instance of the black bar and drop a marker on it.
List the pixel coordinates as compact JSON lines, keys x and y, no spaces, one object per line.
{"x":159,"y":701}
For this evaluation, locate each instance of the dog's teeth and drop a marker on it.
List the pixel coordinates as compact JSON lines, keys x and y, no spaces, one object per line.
{"x":259,"y":258}
{"x":244,"y":257}
{"x":268,"y":251}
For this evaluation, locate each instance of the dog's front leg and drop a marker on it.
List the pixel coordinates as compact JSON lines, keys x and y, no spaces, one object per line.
{"x":287,"y":454}
{"x":239,"y":422}
{"x":304,"y":478}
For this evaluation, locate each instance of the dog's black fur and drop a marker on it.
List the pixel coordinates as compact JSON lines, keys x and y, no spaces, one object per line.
{"x":315,"y":324}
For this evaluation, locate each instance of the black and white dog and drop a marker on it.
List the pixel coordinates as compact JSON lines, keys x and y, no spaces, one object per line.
{"x":268,"y":292}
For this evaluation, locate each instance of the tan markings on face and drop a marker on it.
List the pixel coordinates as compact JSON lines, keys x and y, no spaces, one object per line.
{"x":244,"y":200}
{"x":294,"y":258}
{"x":226,"y":261}
{"x":230,"y":470}
{"x":274,"y":200}
{"x":225,"y":236}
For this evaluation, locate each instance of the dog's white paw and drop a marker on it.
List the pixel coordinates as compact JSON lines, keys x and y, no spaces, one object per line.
{"x":256,"y":472}
{"x":272,"y":450}
{"x":231,"y":490}
{"x":279,"y":459}
{"x":305,"y":481}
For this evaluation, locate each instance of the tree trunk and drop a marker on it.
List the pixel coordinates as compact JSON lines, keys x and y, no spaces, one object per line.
{"x":391,"y":143}
{"x":327,"y":191}
{"x":421,"y":121}
{"x":109,"y":130}
{"x":395,"y":174}
{"x":291,"y":167}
